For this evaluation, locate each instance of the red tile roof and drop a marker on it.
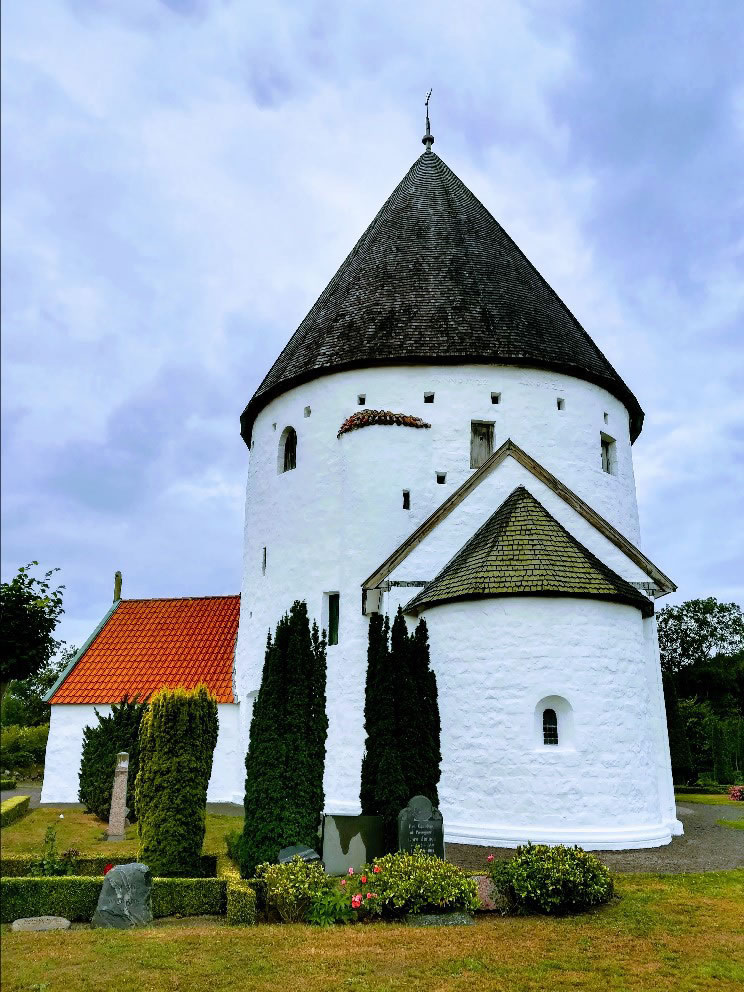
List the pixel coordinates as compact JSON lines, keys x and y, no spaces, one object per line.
{"x":146,"y":644}
{"x":366,"y":418}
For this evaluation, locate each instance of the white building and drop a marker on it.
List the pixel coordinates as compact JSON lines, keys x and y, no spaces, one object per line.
{"x":440,"y":432}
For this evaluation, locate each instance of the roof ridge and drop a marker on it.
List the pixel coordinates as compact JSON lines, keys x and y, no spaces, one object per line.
{"x":175,"y":599}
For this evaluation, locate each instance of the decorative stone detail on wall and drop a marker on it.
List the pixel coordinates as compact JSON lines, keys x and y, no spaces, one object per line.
{"x":366,"y":418}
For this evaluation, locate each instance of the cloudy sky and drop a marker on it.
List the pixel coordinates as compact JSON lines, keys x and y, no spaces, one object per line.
{"x":181,"y":178}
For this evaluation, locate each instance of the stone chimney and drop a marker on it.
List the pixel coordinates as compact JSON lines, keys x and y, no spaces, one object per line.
{"x":117,"y":586}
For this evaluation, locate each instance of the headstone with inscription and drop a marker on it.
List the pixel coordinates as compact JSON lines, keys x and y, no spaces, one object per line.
{"x":126,"y":898}
{"x":421,"y":825}
{"x":118,"y":815}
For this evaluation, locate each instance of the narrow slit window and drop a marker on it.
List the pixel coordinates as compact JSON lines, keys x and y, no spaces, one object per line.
{"x":606,"y":418}
{"x":481,"y":442}
{"x":441,"y":478}
{"x":406,"y":499}
{"x":609,"y":454}
{"x":560,"y":403}
{"x":333,"y":615}
{"x":263,"y":562}
{"x":428,"y":397}
{"x":361,"y":399}
{"x":287,"y":450}
{"x":550,"y":727}
{"x":495,"y":398}
{"x":308,"y":411}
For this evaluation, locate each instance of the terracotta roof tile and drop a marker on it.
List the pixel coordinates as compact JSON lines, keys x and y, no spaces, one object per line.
{"x":149,"y":643}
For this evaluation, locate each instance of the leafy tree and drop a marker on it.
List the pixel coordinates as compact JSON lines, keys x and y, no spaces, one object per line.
{"x":119,"y":731}
{"x":286,"y":756}
{"x":24,"y":704}
{"x":721,"y":748}
{"x":697,"y":630}
{"x":29,"y":611}
{"x":679,"y":748}
{"x":178,"y":735}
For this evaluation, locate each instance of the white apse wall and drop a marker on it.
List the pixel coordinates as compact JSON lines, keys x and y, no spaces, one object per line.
{"x":331,"y":521}
{"x":65,"y":746}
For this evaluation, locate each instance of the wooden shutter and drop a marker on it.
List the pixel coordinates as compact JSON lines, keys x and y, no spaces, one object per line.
{"x":481,"y":442}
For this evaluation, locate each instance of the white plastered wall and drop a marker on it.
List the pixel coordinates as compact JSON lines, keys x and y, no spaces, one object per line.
{"x":65,"y":745}
{"x":327,"y":524}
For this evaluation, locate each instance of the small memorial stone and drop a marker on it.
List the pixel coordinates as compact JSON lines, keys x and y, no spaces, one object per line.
{"x":117,"y":817}
{"x":306,"y":853}
{"x":126,"y":898}
{"x":38,"y":923}
{"x":421,"y":825}
{"x":438,"y":920}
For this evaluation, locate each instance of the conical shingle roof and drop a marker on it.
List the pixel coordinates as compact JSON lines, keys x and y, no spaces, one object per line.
{"x":435,"y":280}
{"x":522,"y":550}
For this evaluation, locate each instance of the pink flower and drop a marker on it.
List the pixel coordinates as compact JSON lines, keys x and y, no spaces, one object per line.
{"x":376,"y":870}
{"x":364,"y":879}
{"x":356,"y":901}
{"x":351,"y":871}
{"x":489,"y":859}
{"x":343,"y":881}
{"x":369,"y":895}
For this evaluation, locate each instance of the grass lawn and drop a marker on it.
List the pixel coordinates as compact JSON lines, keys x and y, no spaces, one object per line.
{"x":734,"y":824}
{"x":666,"y":933}
{"x":707,"y":800}
{"x":87,"y":833}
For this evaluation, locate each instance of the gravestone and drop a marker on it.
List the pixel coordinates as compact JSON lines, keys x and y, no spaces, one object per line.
{"x":350,"y":842}
{"x":438,"y":920}
{"x":40,"y":923}
{"x":118,"y":814}
{"x":126,"y":898}
{"x":421,"y":825}
{"x":298,"y":850}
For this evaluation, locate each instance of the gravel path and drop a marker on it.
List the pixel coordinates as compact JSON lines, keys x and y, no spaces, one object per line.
{"x":704,"y":846}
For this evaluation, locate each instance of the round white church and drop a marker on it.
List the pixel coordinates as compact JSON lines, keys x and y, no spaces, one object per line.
{"x":441,"y":433}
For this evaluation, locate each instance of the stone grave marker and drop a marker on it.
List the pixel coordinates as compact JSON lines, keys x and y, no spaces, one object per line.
{"x":306,"y":853}
{"x":126,"y":898}
{"x":40,"y":923}
{"x":118,"y":814}
{"x":421,"y":825}
{"x":350,"y":842}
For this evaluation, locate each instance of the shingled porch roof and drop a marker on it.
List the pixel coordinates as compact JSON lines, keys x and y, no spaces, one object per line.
{"x":522,"y":550}
{"x":143,"y":645}
{"x":436,"y":280}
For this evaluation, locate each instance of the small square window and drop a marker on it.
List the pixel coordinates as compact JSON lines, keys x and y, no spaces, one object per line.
{"x":362,"y":399}
{"x":495,"y":398}
{"x":406,"y":499}
{"x":428,"y":397}
{"x":308,"y":411}
{"x":609,"y":454}
{"x":441,"y":478}
{"x":560,"y":403}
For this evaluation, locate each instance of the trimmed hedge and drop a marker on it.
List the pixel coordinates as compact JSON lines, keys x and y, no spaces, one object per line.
{"x":241,"y":904}
{"x":13,"y":809}
{"x":19,"y":865}
{"x":7,"y":783}
{"x":75,"y":897}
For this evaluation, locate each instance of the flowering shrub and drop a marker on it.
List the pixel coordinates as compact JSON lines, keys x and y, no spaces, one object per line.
{"x":542,"y":879}
{"x":290,"y":888}
{"x":414,"y":883}
{"x":736,"y":792}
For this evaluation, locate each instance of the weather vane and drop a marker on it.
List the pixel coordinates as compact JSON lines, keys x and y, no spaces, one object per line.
{"x":428,"y":139}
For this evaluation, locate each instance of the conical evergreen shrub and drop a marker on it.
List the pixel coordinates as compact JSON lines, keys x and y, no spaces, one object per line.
{"x":119,"y":731}
{"x":426,"y":765}
{"x":679,"y":747}
{"x":374,"y":709}
{"x":178,"y":736}
{"x":286,"y":756}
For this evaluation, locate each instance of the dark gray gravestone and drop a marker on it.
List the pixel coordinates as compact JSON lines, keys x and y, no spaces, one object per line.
{"x":421,"y":825}
{"x":350,"y":842}
{"x":306,"y":853}
{"x":126,"y":898}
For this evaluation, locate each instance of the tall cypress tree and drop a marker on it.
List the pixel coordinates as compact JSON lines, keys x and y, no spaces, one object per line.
{"x":426,"y":762}
{"x":375,"y":704}
{"x":679,"y":747}
{"x":286,"y":756}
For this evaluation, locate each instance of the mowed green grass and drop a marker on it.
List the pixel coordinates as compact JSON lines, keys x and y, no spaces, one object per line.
{"x":721,"y":800}
{"x":673,"y":933}
{"x":733,"y":824}
{"x":86,"y":833}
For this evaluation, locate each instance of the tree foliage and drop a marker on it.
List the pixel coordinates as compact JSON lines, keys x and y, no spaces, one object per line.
{"x":118,"y":731}
{"x":29,"y":611}
{"x":697,"y":630}
{"x":24,"y":704}
{"x":178,"y":735}
{"x":286,"y":756}
{"x":402,"y":754}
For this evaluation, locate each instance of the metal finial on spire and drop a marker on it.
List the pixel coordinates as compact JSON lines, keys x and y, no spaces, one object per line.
{"x":428,"y":138}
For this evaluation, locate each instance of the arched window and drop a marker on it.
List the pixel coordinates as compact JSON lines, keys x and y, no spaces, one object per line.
{"x":550,"y":727}
{"x":287,"y":455}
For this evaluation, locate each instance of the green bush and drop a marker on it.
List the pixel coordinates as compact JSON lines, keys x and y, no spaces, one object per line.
{"x":75,"y":897}
{"x":119,"y":731}
{"x":291,"y":887}
{"x":241,"y":903}
{"x":556,"y":880}
{"x":330,"y":905}
{"x":178,"y":735}
{"x":286,"y":756}
{"x":403,"y":883}
{"x":18,"y":865}
{"x":6,"y":784}
{"x":22,"y":747}
{"x":13,"y":809}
